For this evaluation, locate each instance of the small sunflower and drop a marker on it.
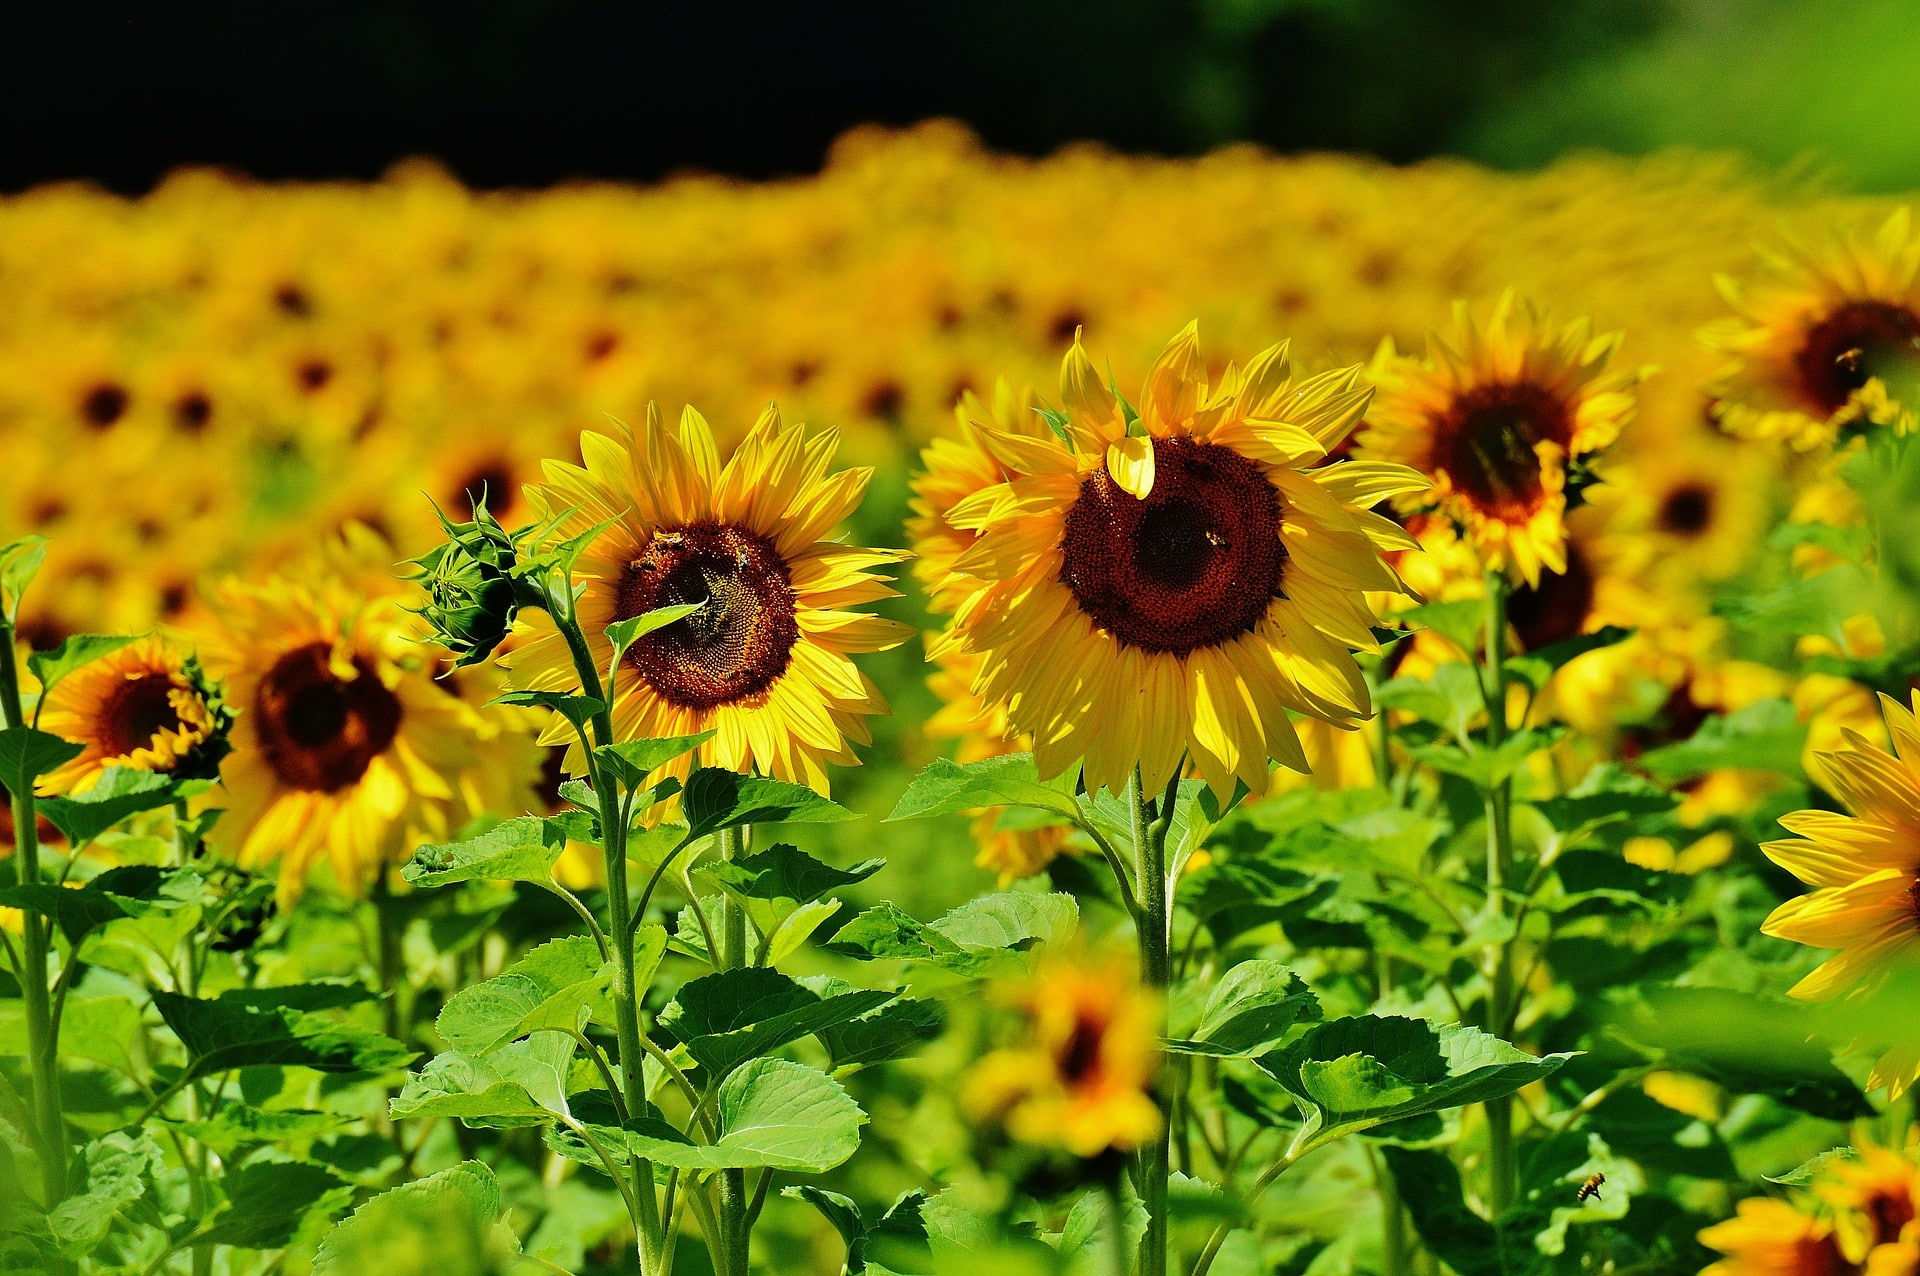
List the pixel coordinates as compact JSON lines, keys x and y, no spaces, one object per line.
{"x":1498,"y":416}
{"x":1082,"y":1078}
{"x":145,"y":707}
{"x":1865,"y":871}
{"x":346,"y":749}
{"x":951,"y":470}
{"x":982,"y":731}
{"x":1825,"y":339}
{"x":1875,"y":1196}
{"x":1173,"y":581}
{"x":766,"y":662}
{"x":1768,"y":1237}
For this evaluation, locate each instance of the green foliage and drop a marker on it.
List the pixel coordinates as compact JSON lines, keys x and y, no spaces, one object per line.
{"x":517,"y":850}
{"x":772,"y":1113}
{"x":728,"y":1018}
{"x":714,"y":800}
{"x":446,"y":1224}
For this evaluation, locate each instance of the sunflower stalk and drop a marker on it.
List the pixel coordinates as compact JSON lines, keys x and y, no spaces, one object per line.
{"x":1149,"y":827}
{"x":620,"y":932}
{"x":736,"y":1221}
{"x":1498,"y":959}
{"x":42,"y":1039}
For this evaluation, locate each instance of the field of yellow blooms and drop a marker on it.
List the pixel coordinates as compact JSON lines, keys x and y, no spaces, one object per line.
{"x":1097,"y":716}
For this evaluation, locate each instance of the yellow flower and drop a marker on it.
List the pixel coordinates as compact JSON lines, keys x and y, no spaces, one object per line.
{"x":983,"y":732}
{"x":145,"y":707}
{"x":766,"y":661}
{"x":1081,"y":1079}
{"x":346,"y":749}
{"x":1496,"y":415}
{"x":951,"y":470}
{"x":1875,"y":1196}
{"x":1865,"y":871}
{"x":1824,"y":340}
{"x":1770,"y":1238}
{"x":1174,"y":584}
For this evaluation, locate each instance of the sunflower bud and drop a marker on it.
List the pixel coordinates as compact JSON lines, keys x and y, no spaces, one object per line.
{"x":473,"y":590}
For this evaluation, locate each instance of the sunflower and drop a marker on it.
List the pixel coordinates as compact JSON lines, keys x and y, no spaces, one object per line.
{"x":1082,"y":1077}
{"x":1702,"y":502}
{"x":346,"y":749}
{"x":982,"y":731}
{"x":1826,"y":339}
{"x":951,"y":470}
{"x":1875,"y":1196}
{"x":145,"y":707}
{"x":1768,"y":1237}
{"x":765,"y":663}
{"x":1172,"y":582}
{"x":1865,"y":871}
{"x":1497,"y":416}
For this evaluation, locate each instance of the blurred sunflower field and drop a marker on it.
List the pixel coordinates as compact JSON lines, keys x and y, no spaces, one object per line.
{"x":1096,"y":715}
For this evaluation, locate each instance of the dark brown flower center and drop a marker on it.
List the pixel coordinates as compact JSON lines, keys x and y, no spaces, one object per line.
{"x":1557,"y":608}
{"x":1078,"y":1057}
{"x":1687,"y":510}
{"x":103,"y":405}
{"x":192,"y":411}
{"x":492,"y":479}
{"x":1857,"y":342}
{"x":138,"y":710}
{"x":740,"y":641}
{"x":1193,"y":565}
{"x":318,"y":730}
{"x":1486,"y":444}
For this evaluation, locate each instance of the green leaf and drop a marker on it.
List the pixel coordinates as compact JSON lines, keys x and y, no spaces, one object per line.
{"x":441,"y":1225}
{"x":19,"y":563}
{"x":1353,"y":1074}
{"x":982,"y":934}
{"x":1606,"y":794}
{"x":100,"y":1030}
{"x":245,"y":1028}
{"x":74,"y":651}
{"x":118,"y":1168}
{"x":891,"y":1032}
{"x":1463,"y":623}
{"x":624,"y":633}
{"x":1764,"y":736}
{"x":519,"y":850}
{"x":774,"y":1113}
{"x":118,"y":793}
{"x":557,"y":985}
{"x":126,"y":891}
{"x":946,"y":787}
{"x":634,"y":760}
{"x":1449,"y":698}
{"x":524,"y":1083}
{"x":1486,"y":767}
{"x":795,"y":927}
{"x":1813,"y":1168}
{"x":1250,"y":1010}
{"x":725,"y":1019}
{"x":578,"y":710}
{"x":842,"y":1214}
{"x":27,"y":754}
{"x":268,"y":1200}
{"x":771,"y":884}
{"x":717,"y":799}
{"x":234,"y":1127}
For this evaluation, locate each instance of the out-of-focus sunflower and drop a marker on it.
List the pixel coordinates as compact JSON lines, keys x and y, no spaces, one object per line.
{"x":1174,"y":581}
{"x":1702,"y":501}
{"x":766,"y":661}
{"x":346,"y":749}
{"x":1865,"y":871}
{"x":1826,"y":338}
{"x":1082,"y":1077}
{"x":1497,"y":416}
{"x":1875,"y":1197}
{"x":1768,"y":1237}
{"x":951,"y":470}
{"x":982,"y":731}
{"x":145,"y":707}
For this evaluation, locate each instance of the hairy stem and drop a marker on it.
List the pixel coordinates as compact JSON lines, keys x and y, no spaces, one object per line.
{"x":1150,"y":855}
{"x":736,"y":1221}
{"x":1499,"y":954}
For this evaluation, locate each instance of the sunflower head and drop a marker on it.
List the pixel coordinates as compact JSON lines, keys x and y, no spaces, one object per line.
{"x":475,"y":584}
{"x":1174,"y":578}
{"x":1081,"y":1076}
{"x":1875,"y":1196}
{"x":1505,"y":418}
{"x":1768,"y":1237}
{"x":145,"y":707}
{"x":763,"y":660}
{"x":1826,"y":339}
{"x":953,"y":469}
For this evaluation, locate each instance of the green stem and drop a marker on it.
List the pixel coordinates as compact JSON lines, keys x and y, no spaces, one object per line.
{"x":735,"y":1209}
{"x":1499,"y":954}
{"x":626,"y":997}
{"x":42,"y":1045}
{"x":1393,"y":1219}
{"x":1150,"y":852}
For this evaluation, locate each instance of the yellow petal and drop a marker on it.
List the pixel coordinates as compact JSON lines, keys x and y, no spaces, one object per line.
{"x":1130,"y":461}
